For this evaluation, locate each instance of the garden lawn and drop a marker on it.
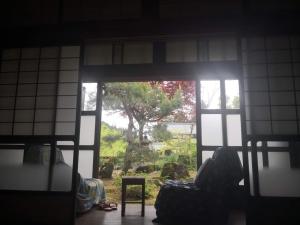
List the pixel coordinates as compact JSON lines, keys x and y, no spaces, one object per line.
{"x":153,"y":183}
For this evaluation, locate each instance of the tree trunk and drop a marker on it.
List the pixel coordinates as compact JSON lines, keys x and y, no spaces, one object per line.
{"x":130,"y":140}
{"x":129,"y":134}
{"x":141,"y":132}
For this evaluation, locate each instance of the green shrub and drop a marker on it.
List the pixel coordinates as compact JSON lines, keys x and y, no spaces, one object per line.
{"x":151,"y":188}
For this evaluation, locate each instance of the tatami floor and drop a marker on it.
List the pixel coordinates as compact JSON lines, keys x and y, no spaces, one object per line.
{"x":97,"y":217}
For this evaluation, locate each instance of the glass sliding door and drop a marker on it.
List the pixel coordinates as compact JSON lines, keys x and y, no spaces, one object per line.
{"x":219,"y":116}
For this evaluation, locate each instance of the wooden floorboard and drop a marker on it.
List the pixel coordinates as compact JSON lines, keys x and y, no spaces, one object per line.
{"x":132,"y":217}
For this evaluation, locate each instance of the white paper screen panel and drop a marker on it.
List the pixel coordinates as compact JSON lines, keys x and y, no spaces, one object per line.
{"x":38,"y":88}
{"x":68,"y":156}
{"x":47,"y":76}
{"x":256,"y":70}
{"x":26,"y":90}
{"x":260,"y":166}
{"x":43,"y":128}
{"x":221,"y":49}
{"x":50,"y":52}
{"x":65,"y":115}
{"x":279,"y":179}
{"x":45,"y":102}
{"x":234,"y":132}
{"x":8,"y":78}
{"x":261,"y":127}
{"x":85,"y":163}
{"x":98,"y":54}
{"x":7,"y":90}
{"x":29,"y":177}
{"x":181,"y":51}
{"x":66,"y":102}
{"x":260,"y":113}
{"x":63,"y":128}
{"x":206,"y":155}
{"x":68,"y":76}
{"x":62,"y":177}
{"x":67,"y":89}
{"x":69,"y":64}
{"x":89,"y":96}
{"x":17,"y":175}
{"x":70,"y":51}
{"x":23,"y":128}
{"x":87,"y":130}
{"x":138,"y":53}
{"x":281,"y":84}
{"x":7,"y":103}
{"x":280,"y":70}
{"x":46,"y":89}
{"x":11,"y":157}
{"x":277,"y":42}
{"x":271,"y":81}
{"x":10,"y":66}
{"x":210,"y":94}
{"x":13,"y":53}
{"x":29,"y":65}
{"x":27,"y":77}
{"x":211,"y":129}
{"x":232,"y":94}
{"x":5,"y":128}
{"x":6,"y":115}
{"x":279,"y":56}
{"x":48,"y":64}
{"x":24,"y":115}
{"x":30,"y":53}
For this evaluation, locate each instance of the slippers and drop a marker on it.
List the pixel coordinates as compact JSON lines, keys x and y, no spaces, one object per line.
{"x":113,"y":205}
{"x":105,"y":207}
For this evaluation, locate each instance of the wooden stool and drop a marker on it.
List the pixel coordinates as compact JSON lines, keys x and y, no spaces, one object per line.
{"x":132,"y":181}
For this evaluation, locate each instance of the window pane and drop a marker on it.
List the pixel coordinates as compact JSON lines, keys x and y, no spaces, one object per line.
{"x":279,"y":179}
{"x":206,"y":155}
{"x":232,"y":94}
{"x":85,"y":163}
{"x":211,"y":129}
{"x":65,"y":128}
{"x":138,"y":53}
{"x":181,"y":51}
{"x":210,"y":94}
{"x":89,"y":96}
{"x":87,"y":130}
{"x":98,"y":54}
{"x":234,"y":133}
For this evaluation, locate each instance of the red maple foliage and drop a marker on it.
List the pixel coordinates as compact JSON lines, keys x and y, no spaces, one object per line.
{"x":188,"y":89}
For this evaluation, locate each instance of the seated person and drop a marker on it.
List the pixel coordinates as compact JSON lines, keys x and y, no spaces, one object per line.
{"x":206,"y":200}
{"x":90,"y":191}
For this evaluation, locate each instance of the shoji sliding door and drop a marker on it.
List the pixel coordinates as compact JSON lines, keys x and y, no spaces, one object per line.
{"x":272,"y":96}
{"x":38,"y":98}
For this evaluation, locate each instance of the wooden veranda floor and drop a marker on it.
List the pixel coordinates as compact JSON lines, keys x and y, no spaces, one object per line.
{"x":97,"y":217}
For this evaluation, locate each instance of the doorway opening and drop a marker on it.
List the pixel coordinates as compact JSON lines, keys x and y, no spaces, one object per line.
{"x":148,"y":129}
{"x":153,"y":129}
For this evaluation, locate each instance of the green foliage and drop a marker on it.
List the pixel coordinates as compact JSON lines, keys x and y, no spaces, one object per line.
{"x":143,"y":103}
{"x":113,"y":142}
{"x":184,"y":145}
{"x":160,"y":133}
{"x":166,"y":159}
{"x":148,"y":100}
{"x":151,"y":189}
{"x":141,"y":154}
{"x":181,"y":145}
{"x":140,"y":100}
{"x":233,"y":103}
